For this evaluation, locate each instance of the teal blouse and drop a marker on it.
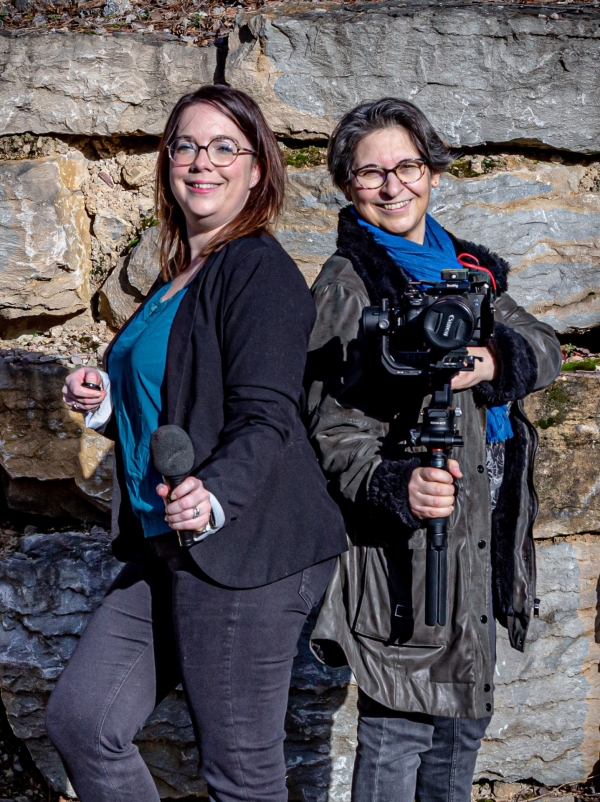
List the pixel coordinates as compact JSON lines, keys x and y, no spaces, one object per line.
{"x":136,"y":369}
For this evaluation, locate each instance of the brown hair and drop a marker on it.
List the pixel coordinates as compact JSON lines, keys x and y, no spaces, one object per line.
{"x":265,"y":201}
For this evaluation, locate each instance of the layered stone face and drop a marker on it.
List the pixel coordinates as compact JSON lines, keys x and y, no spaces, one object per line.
{"x":130,"y":281}
{"x":481,"y":74}
{"x":566,"y":478}
{"x":541,"y":219}
{"x":48,"y":590}
{"x":52,"y":465}
{"x":75,"y":84}
{"x":547,"y":704}
{"x":44,"y":238}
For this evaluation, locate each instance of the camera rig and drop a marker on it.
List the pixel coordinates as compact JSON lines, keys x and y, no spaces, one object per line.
{"x":428,"y":334}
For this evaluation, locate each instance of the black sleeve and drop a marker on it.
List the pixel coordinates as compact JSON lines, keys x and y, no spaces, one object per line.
{"x":268,"y":316}
{"x":517,"y":369}
{"x":388,"y":491}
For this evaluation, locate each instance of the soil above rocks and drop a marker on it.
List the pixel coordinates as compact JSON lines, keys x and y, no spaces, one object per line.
{"x":71,"y":346}
{"x":192,"y":21}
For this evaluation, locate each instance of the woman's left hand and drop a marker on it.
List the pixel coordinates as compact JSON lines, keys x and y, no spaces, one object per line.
{"x":486,"y":370}
{"x":182,"y":501}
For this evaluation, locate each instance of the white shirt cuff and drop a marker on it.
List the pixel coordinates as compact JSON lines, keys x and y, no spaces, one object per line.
{"x":94,"y":420}
{"x":218,"y":516}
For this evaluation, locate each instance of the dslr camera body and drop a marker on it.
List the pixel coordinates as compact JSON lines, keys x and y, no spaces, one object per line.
{"x":430,"y":329}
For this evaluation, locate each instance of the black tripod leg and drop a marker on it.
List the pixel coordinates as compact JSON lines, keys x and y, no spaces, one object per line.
{"x":442,"y":584}
{"x":436,"y":572}
{"x":432,"y":572}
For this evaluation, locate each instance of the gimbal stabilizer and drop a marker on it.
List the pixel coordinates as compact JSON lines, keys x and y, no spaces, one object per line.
{"x":438,"y":435}
{"x":427,"y":334}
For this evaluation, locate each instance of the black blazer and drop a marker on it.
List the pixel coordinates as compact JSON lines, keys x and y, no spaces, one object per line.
{"x":233,"y":380}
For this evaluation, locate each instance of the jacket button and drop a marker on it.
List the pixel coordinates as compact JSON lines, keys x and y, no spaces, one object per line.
{"x":480,"y":468}
{"x":483,"y":619}
{"x":482,"y":544}
{"x":488,"y":707}
{"x":487,"y":688}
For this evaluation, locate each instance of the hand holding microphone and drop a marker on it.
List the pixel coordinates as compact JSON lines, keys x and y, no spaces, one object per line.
{"x":187,"y":501}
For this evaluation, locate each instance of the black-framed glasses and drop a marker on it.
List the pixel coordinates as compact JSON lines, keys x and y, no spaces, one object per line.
{"x":408,"y":171}
{"x":221,"y":151}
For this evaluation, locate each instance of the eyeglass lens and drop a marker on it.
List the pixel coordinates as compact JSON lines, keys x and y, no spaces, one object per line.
{"x":221,"y":151}
{"x":375,"y":177}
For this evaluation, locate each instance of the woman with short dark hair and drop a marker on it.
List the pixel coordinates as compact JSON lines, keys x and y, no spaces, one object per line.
{"x":425,"y":692}
{"x":218,"y":348}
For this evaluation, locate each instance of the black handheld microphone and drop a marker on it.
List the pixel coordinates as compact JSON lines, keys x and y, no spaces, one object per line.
{"x":173,"y":457}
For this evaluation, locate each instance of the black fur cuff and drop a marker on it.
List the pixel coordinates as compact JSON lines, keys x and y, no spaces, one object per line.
{"x":517,"y":369}
{"x":388,"y":491}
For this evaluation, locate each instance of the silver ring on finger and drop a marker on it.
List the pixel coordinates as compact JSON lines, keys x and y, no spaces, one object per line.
{"x":75,"y":406}
{"x":196,"y":513}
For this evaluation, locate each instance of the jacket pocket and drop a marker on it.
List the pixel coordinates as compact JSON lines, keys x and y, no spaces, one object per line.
{"x":391,"y":605}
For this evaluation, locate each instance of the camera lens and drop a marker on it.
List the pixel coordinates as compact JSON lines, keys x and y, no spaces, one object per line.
{"x":449,"y":323}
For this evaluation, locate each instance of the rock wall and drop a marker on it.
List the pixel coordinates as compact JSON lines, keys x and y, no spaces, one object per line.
{"x":66,"y":83}
{"x":45,"y":239}
{"x":485,"y":74}
{"x":78,"y":147}
{"x":52,"y":466}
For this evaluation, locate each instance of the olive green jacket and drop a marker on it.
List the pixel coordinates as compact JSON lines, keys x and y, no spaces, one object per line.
{"x":359,"y":419}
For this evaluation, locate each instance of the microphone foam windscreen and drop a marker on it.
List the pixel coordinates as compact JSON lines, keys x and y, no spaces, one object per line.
{"x":172,"y":451}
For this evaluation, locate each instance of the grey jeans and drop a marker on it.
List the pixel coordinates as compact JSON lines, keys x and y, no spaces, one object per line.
{"x":164,"y":622}
{"x":406,"y":756}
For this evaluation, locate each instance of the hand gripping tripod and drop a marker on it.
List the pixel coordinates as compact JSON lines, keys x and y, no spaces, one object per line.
{"x":438,"y":435}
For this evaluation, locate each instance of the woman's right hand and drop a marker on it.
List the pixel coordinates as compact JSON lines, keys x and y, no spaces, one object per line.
{"x":431,"y":491}
{"x":79,"y":398}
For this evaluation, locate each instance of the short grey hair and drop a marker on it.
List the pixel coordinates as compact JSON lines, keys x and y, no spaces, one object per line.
{"x":388,"y":112}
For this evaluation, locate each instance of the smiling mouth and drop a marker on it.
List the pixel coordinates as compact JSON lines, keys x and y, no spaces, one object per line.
{"x":198,"y":185}
{"x":392,"y":207}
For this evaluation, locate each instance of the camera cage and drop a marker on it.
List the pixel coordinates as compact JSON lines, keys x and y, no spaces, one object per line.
{"x":450,"y":314}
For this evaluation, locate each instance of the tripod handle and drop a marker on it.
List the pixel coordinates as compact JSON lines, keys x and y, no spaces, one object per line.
{"x":436,"y":558}
{"x":438,"y":459}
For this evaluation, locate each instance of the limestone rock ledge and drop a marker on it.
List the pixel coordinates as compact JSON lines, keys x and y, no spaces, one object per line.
{"x":70,"y":83}
{"x":44,"y":232}
{"x":567,"y":415}
{"x":130,"y":281}
{"x":47,"y":590}
{"x":482,"y":74}
{"x":547,"y":704}
{"x":52,"y":465}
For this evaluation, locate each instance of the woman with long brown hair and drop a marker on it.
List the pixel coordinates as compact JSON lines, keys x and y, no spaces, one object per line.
{"x":219,"y":349}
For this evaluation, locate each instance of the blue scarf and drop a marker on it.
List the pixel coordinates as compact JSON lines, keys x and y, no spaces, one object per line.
{"x":424,"y":263}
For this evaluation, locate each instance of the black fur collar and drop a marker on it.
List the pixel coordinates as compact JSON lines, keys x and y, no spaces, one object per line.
{"x":382,"y":276}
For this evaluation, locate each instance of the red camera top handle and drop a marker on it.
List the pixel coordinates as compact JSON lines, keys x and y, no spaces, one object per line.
{"x":474,"y":264}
